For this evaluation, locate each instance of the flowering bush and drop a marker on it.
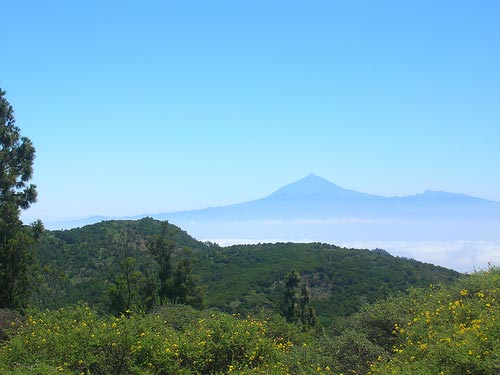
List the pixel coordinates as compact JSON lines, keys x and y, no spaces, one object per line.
{"x":455,"y":330}
{"x":445,"y":330}
{"x":76,"y":341}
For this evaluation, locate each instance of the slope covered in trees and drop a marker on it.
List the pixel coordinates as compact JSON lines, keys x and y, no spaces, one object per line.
{"x":81,"y":264}
{"x":442,"y":329}
{"x":340,"y":280}
{"x":111,"y":265}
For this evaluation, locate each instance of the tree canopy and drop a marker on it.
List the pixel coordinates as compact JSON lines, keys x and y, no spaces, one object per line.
{"x":16,"y":169}
{"x":16,"y":162}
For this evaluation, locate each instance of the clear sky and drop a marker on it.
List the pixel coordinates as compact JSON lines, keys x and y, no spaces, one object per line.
{"x":155,"y":106}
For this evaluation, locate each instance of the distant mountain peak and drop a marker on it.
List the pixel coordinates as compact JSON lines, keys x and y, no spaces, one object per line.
{"x":312,"y":180}
{"x":312,"y":175}
{"x":315,"y":198}
{"x":317,"y":187}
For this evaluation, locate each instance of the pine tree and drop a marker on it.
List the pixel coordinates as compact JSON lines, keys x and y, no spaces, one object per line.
{"x":16,"y":169}
{"x":125,"y":286}
{"x":177,"y":283}
{"x":296,"y":308}
{"x":290,"y":300}
{"x":184,"y":285}
{"x":162,"y":249}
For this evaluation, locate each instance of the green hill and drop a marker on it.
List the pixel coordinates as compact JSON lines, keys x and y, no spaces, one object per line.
{"x":340,"y":280}
{"x":80,"y":264}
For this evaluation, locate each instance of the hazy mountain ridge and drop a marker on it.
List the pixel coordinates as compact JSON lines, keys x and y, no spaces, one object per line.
{"x":314,"y":197}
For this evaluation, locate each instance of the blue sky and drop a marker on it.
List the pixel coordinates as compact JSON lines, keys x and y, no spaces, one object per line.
{"x":157,"y":106}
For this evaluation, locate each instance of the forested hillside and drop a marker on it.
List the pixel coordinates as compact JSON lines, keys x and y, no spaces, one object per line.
{"x":442,"y":329}
{"x":81,"y":265}
{"x":340,"y":280}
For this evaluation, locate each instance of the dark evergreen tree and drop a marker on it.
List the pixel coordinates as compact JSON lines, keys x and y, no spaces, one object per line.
{"x":307,"y":314}
{"x":296,"y":308}
{"x":16,"y":169}
{"x":184,"y":285}
{"x":177,"y":283}
{"x":148,"y":289}
{"x":162,"y":250}
{"x":125,"y":288}
{"x":290,"y":301}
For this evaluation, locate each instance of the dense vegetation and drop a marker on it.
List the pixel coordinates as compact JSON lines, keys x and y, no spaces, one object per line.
{"x":442,"y":329}
{"x":116,"y":265}
{"x":450,"y":330}
{"x":81,"y":265}
{"x":340,"y":280}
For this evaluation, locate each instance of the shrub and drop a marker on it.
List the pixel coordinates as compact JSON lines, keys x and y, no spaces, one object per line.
{"x":454,"y":330}
{"x":8,"y":318}
{"x":76,"y":341}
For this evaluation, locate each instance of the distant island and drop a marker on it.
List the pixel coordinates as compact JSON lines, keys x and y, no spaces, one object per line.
{"x":317,"y":209}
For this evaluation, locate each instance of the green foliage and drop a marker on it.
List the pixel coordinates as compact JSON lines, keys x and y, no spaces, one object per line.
{"x":377,"y":321}
{"x":174,"y":340}
{"x":124,"y":292}
{"x":246,"y":277}
{"x":168,"y":276}
{"x":81,"y":265}
{"x":162,"y":249}
{"x":353,"y":352}
{"x":16,"y":169}
{"x":15,"y":264}
{"x":452,"y":330}
{"x":16,"y":164}
{"x":184,"y":285}
{"x":296,"y":299}
{"x":125,"y":289}
{"x":290,"y":299}
{"x":7,"y":316}
{"x":177,"y":283}
{"x":447,"y":329}
{"x":105,"y":264}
